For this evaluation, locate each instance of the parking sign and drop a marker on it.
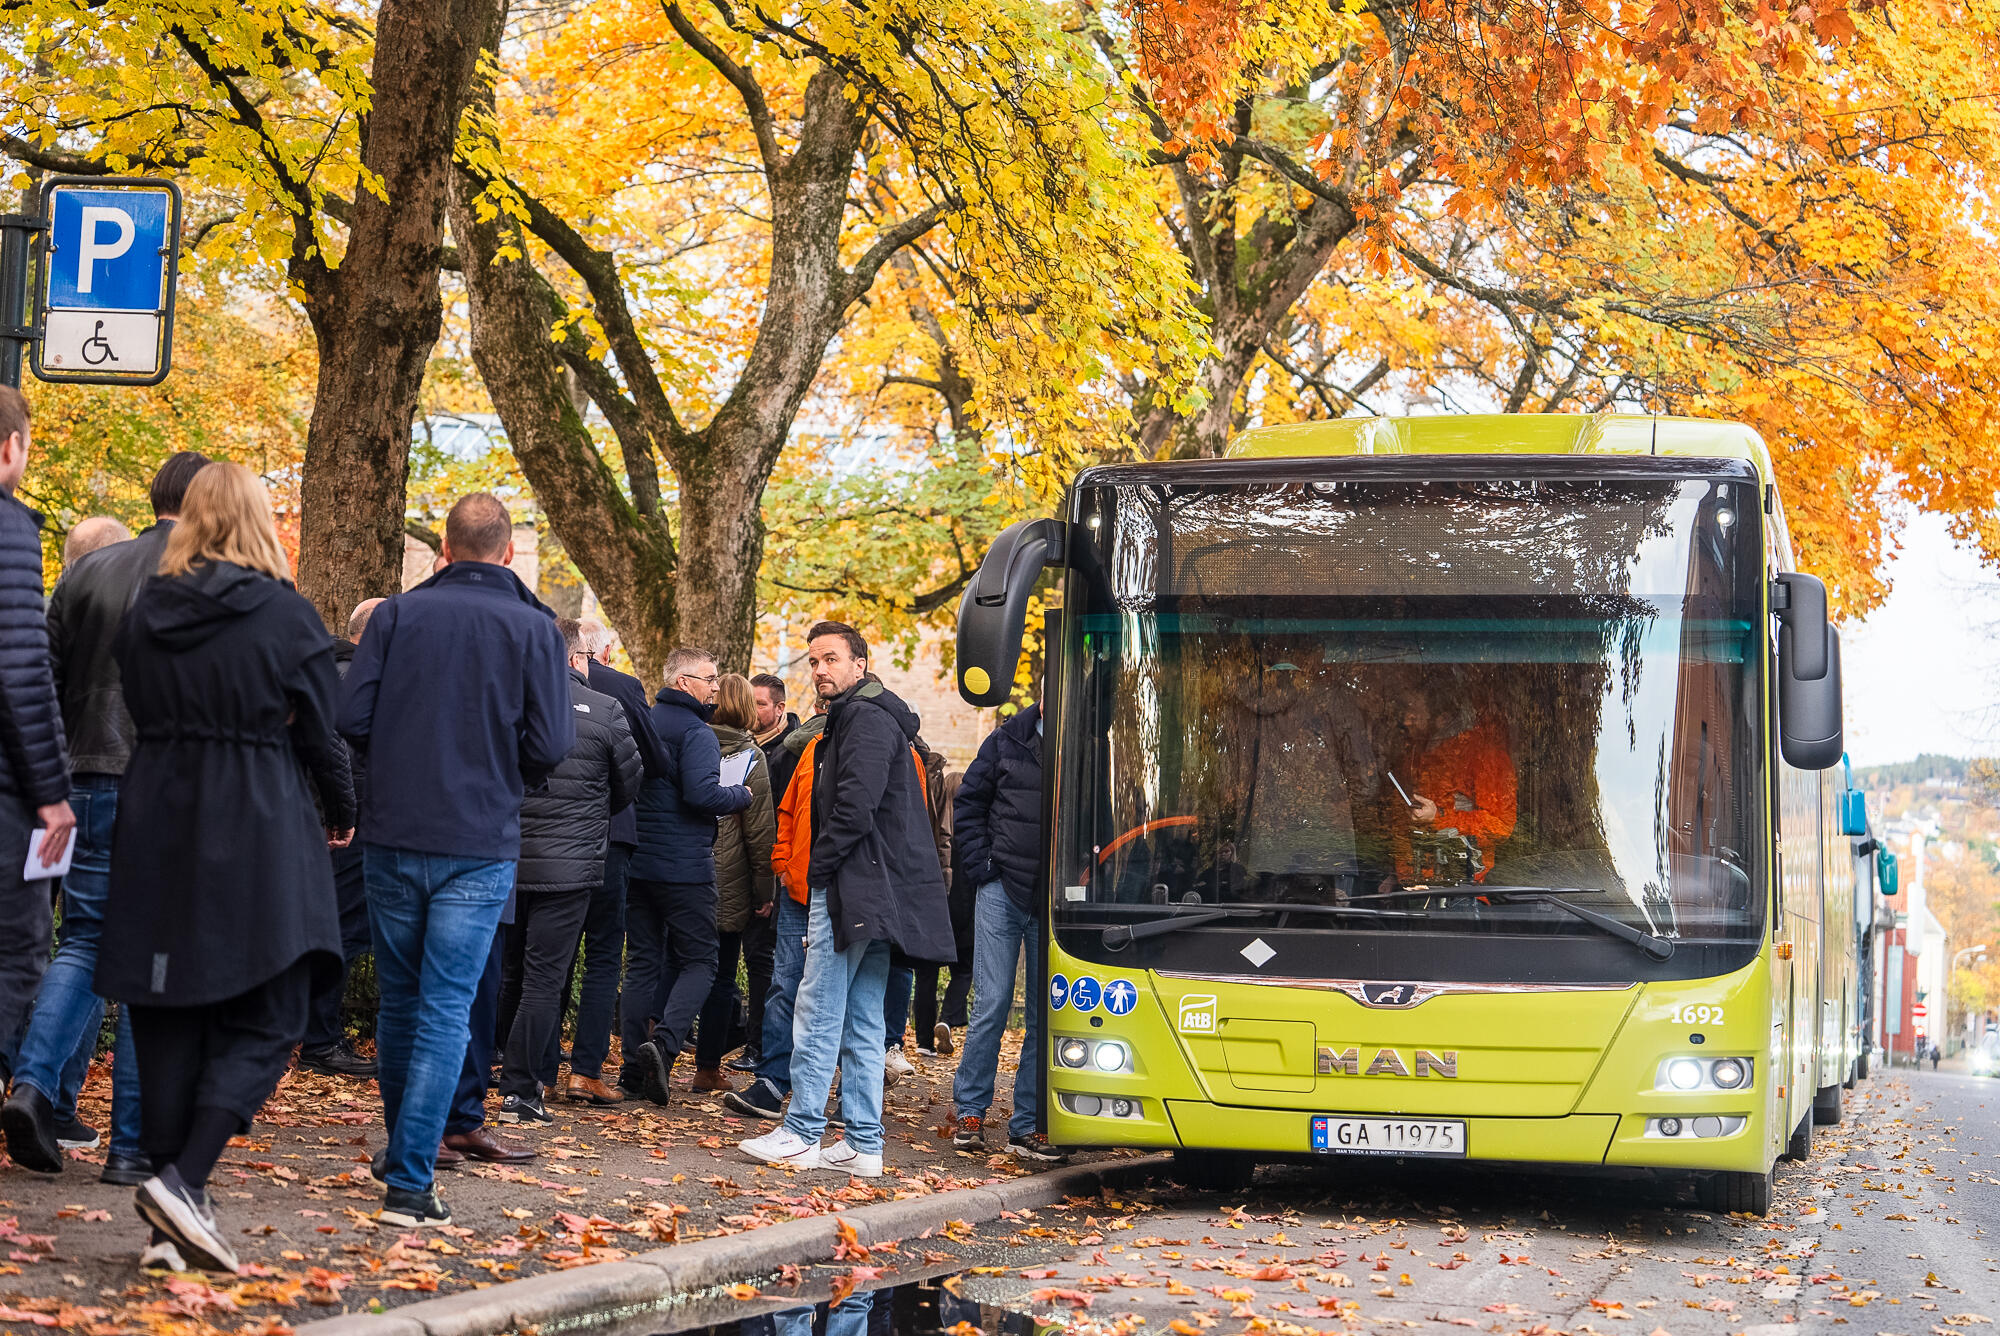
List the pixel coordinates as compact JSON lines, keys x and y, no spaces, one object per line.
{"x":106,"y":308}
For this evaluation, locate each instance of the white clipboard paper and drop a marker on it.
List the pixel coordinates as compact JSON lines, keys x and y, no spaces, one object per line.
{"x":33,"y":869}
{"x":736,"y":769}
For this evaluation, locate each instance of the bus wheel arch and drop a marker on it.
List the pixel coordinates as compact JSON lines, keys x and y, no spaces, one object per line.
{"x":1734,"y":1192}
{"x":1826,"y":1105}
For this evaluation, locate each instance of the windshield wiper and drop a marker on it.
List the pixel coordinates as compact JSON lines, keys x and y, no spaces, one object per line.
{"x":1121,"y":935}
{"x":1659,"y":948}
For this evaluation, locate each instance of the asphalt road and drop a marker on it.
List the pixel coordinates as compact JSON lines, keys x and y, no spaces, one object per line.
{"x":1893,"y":1226}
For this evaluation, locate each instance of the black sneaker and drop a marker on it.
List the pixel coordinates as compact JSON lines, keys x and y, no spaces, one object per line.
{"x":414,"y":1210}
{"x":126,"y":1171}
{"x":185,"y":1216}
{"x":760,"y":1099}
{"x":1036,"y":1147}
{"x":746,"y":1061}
{"x":337,"y":1060}
{"x":76,"y":1134}
{"x":521,"y":1109}
{"x":30,"y":1123}
{"x":655,"y":1069}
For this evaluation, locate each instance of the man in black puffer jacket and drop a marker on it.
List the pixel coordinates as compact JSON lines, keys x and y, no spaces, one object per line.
{"x":565,"y":827}
{"x":997,"y":838}
{"x":34,"y":764}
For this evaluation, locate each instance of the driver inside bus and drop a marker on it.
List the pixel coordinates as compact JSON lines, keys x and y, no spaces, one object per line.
{"x":1458,"y":773}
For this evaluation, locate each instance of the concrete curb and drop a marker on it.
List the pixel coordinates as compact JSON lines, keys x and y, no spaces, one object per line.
{"x":650,"y":1278}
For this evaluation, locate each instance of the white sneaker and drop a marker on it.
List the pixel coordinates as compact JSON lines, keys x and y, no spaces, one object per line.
{"x":895,"y":1065}
{"x":786,"y":1147}
{"x":162,"y":1256}
{"x":841,"y":1157}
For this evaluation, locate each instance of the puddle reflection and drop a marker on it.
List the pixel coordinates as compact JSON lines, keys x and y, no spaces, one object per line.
{"x":920,"y":1308}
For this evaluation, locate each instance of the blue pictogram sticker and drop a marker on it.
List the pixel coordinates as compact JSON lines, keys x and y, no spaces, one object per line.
{"x":1058,"y":991}
{"x":1085,"y":994}
{"x":1120,"y":996}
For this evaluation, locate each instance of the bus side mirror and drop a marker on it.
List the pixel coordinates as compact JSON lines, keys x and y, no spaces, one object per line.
{"x":1885,"y":872}
{"x":1809,"y":711}
{"x":995,"y":607}
{"x":1853,"y":812}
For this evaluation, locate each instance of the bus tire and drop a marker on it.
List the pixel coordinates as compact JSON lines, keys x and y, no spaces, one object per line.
{"x":1826,"y":1106}
{"x":1853,"y":1075}
{"x":1861,"y":1066}
{"x":1736,"y":1193}
{"x":1800,"y":1146}
{"x":1214,"y":1170}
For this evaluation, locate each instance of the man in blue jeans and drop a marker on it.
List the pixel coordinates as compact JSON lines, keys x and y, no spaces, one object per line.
{"x":997,"y":836}
{"x":84,"y":611}
{"x":873,"y":884}
{"x":459,"y":698}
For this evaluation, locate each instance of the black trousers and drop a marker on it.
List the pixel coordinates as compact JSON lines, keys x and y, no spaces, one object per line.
{"x":541,"y":941}
{"x":760,"y":940}
{"x":227,"y":1055}
{"x":718,"y":1012}
{"x":27,"y":908}
{"x":956,"y":992}
{"x":669,"y":933}
{"x":323,"y":1025}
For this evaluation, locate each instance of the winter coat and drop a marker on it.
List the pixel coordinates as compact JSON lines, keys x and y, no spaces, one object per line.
{"x":219,"y":873}
{"x":873,"y":853}
{"x":89,"y":602}
{"x":677,"y":812}
{"x":997,"y":816}
{"x":630,"y":693}
{"x":34,"y":765}
{"x":459,"y":700}
{"x":566,"y":824}
{"x":743,"y":841}
{"x":791,"y":851}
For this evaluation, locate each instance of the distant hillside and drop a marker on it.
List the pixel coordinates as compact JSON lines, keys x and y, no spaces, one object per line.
{"x":1951,"y":769}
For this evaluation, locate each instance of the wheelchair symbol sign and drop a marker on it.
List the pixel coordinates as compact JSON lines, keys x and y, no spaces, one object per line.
{"x":1085,"y":994}
{"x":105,"y":298}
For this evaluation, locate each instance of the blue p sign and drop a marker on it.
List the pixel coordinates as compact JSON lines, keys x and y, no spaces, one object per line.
{"x":107,"y":299}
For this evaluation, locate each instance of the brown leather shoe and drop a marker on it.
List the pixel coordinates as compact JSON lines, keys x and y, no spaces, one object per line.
{"x":711,"y":1078}
{"x":480,"y":1144}
{"x":447,"y":1158}
{"x":590,"y":1090}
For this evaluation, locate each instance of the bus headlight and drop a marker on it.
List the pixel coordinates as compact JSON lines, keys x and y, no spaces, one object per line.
{"x":1073,"y":1053}
{"x":1727,"y":1073}
{"x":1687,"y":1074}
{"x":1110,"y":1057}
{"x":1684,"y":1074}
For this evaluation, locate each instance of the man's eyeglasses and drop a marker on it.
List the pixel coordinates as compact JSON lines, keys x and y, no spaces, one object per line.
{"x":712,"y":678}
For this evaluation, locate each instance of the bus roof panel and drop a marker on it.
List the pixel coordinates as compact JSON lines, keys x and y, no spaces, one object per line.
{"x":1506,"y":434}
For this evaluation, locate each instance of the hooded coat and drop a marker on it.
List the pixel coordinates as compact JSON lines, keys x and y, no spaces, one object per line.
{"x":997,"y":814}
{"x":873,"y":850}
{"x":677,"y":812}
{"x":743,"y":841}
{"x":219,"y":874}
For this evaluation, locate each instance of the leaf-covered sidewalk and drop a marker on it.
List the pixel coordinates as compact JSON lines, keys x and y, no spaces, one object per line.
{"x":295,"y":1197}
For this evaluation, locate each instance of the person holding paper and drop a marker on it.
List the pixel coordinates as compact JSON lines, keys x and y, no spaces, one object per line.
{"x":670,"y":899}
{"x":565,"y":828}
{"x":34,"y":763}
{"x":743,"y":881}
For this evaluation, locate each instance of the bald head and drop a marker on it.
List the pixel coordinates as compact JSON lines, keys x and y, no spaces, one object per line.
{"x":357,"y":621}
{"x":91,"y":534}
{"x":478,"y":528}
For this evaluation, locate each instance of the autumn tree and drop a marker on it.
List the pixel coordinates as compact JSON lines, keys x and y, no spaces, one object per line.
{"x":312,"y":139}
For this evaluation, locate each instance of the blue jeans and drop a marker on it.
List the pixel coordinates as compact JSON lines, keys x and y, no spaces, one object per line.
{"x":468,"y":1100}
{"x":838,"y":1022}
{"x":896,"y":1005}
{"x":603,"y":962}
{"x":434,"y":918}
{"x":788,"y":965}
{"x":61,"y":1038}
{"x":999,"y":932}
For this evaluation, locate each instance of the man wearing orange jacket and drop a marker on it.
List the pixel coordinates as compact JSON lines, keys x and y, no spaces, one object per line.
{"x":1463,"y":777}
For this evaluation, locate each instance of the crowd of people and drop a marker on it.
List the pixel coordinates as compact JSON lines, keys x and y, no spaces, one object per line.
{"x":231,"y":808}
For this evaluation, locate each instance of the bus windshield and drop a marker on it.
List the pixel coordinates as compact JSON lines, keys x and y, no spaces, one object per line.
{"x":1418,"y":710}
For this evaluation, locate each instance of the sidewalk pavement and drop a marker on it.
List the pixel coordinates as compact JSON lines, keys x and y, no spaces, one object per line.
{"x":610,"y":1183}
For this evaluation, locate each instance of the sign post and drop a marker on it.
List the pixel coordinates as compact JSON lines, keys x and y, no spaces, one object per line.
{"x":105,"y":293}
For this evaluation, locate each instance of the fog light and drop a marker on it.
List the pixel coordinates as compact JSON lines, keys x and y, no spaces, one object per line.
{"x":1684,"y":1073}
{"x":1727,"y":1073}
{"x":1707,"y":1126}
{"x":1087,"y":1105}
{"x":1670,"y":1127}
{"x":1121,"y":1108}
{"x":1073,"y":1053}
{"x":1110,"y":1057}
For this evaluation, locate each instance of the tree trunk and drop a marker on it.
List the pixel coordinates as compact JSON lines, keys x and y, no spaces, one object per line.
{"x":376,"y":317}
{"x":722,"y":550}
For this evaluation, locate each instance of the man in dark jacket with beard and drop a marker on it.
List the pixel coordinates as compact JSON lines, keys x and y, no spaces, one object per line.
{"x":89,"y":602}
{"x":459,"y":701}
{"x":997,"y":839}
{"x":670,"y":899}
{"x":873,"y":885}
{"x":565,"y":827}
{"x":325,"y":1049}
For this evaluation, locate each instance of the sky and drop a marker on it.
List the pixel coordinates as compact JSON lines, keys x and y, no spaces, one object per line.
{"x":1922,"y":674}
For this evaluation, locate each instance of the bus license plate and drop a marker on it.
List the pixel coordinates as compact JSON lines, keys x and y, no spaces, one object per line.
{"x":1336,"y":1135}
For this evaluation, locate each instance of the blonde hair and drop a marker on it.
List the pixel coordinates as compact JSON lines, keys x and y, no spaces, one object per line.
{"x":226,"y":517}
{"x":735,"y":706}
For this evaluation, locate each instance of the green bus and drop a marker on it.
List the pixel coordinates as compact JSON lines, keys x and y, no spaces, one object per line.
{"x":1458,"y":787}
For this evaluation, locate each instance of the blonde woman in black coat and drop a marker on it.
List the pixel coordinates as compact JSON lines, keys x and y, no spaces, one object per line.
{"x":221,"y":908}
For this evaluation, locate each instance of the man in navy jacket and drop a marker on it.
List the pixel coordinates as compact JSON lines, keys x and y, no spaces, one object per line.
{"x":670,"y":899}
{"x":459,"y":698}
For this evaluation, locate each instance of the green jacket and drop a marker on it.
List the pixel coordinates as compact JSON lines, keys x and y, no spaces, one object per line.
{"x":743,"y":841}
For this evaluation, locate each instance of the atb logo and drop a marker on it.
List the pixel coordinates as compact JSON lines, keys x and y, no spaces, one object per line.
{"x":1198,"y":1014}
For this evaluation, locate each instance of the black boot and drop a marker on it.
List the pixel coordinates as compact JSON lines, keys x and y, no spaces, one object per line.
{"x":30,"y":1123}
